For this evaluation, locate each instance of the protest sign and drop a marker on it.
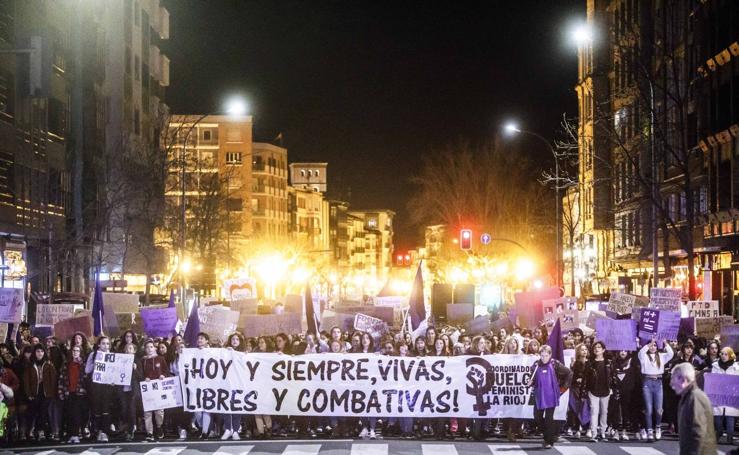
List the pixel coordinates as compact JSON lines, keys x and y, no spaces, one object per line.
{"x":529,"y":307}
{"x":11,"y":305}
{"x":120,"y":303}
{"x":480,"y":324}
{"x":459,"y":313}
{"x":385,"y":313}
{"x":592,"y":317}
{"x":710,"y":327}
{"x":621,"y":303}
{"x":256,"y":325}
{"x":64,"y":330}
{"x":617,"y":334}
{"x":669,"y":325}
{"x":126,"y":321}
{"x":219,"y":322}
{"x":373,"y":326}
{"x":239,"y":288}
{"x":49,"y":314}
{"x":502,"y":323}
{"x":331,"y":318}
{"x":569,"y":319}
{"x":354,"y":385}
{"x":161,"y":393}
{"x":722,"y":389}
{"x":665,"y":299}
{"x":730,"y":336}
{"x":559,"y":305}
{"x":687,"y":328}
{"x":112,"y":368}
{"x":245,"y":306}
{"x":159,"y":322}
{"x":648,"y":323}
{"x":703,"y":309}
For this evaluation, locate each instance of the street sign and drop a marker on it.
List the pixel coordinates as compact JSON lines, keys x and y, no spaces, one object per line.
{"x":485,"y":238}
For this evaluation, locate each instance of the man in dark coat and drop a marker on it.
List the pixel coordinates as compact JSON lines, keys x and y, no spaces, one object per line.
{"x":695,"y":413}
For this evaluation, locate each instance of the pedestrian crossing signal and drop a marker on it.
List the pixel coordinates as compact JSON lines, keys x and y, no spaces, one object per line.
{"x":465,"y":239}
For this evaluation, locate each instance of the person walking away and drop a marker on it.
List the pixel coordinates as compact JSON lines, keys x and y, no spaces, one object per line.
{"x":694,"y":414}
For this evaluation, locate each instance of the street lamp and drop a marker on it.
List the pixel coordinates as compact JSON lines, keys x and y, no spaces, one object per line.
{"x":511,"y":128}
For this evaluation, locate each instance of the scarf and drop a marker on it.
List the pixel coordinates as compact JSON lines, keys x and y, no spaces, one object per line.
{"x":725,"y":365}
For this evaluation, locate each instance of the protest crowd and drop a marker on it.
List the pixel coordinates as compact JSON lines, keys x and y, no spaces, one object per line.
{"x":614,"y":394}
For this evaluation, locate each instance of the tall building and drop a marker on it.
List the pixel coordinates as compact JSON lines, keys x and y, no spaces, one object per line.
{"x":310,"y":176}
{"x":371,"y":236}
{"x":35,"y":182}
{"x":269,"y":191}
{"x":309,"y":219}
{"x":216,"y":151}
{"x":339,"y":234}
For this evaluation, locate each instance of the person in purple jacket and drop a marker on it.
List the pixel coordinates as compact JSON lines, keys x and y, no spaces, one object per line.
{"x":550,"y":377}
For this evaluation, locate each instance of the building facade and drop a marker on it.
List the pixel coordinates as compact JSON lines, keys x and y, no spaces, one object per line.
{"x":309,"y":219}
{"x":269,"y":191}
{"x":309,"y":176}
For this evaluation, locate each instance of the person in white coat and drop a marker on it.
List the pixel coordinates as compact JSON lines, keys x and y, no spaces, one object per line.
{"x":724,"y":416}
{"x":652,"y":368}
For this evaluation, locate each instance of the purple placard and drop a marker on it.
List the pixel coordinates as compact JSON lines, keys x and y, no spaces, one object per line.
{"x":687,"y":328}
{"x":648,"y":323}
{"x":669,"y":325}
{"x":159,"y":322}
{"x":722,"y":389}
{"x":617,"y":334}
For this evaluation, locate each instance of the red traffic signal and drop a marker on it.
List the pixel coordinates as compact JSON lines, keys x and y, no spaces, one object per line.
{"x":465,"y":239}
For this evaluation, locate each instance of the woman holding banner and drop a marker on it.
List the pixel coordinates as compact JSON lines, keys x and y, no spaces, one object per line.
{"x":652,"y":369}
{"x":549,"y":378}
{"x":724,"y":416}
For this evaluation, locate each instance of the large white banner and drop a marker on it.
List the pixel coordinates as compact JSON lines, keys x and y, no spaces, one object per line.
{"x":357,"y":385}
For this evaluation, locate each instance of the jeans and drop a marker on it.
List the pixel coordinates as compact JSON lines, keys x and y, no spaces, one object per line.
{"x":231,"y":422}
{"x":598,"y":413}
{"x":652,"y":389}
{"x":718,"y":424}
{"x":203,"y":420}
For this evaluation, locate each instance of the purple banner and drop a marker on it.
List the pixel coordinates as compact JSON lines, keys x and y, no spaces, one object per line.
{"x":159,"y":322}
{"x":722,"y":389}
{"x":617,"y":334}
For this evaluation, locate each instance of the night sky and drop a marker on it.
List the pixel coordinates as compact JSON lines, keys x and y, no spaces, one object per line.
{"x":370,"y":86}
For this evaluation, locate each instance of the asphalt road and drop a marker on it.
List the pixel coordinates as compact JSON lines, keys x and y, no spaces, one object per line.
{"x":357,"y":447}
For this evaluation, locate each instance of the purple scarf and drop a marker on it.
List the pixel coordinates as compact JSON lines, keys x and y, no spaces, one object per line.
{"x":547,"y":386}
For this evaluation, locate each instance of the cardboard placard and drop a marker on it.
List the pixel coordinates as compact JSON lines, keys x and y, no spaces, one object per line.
{"x":65,"y":329}
{"x":120,"y":303}
{"x":617,"y":334}
{"x":730,"y":336}
{"x":558,"y":306}
{"x":459,"y":313}
{"x":665,"y":299}
{"x":159,"y":322}
{"x":239,"y":289}
{"x":385,"y":313}
{"x":161,"y":393}
{"x":376,"y":328}
{"x":49,"y":314}
{"x":112,"y":368}
{"x":218,"y":321}
{"x":621,"y":303}
{"x":11,"y":305}
{"x":529,"y":305}
{"x":710,"y":327}
{"x":703,"y":309}
{"x":245,"y":306}
{"x":256,"y":325}
{"x":592,"y":317}
{"x":569,"y":319}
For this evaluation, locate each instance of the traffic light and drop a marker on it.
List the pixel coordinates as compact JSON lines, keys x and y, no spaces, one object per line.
{"x":465,"y":239}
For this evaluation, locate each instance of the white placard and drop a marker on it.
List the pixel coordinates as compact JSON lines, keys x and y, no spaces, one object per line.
{"x":112,"y":368}
{"x":49,"y":314}
{"x":161,"y":393}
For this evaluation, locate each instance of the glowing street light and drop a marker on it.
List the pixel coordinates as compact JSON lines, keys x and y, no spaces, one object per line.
{"x":582,"y":34}
{"x":511,"y":128}
{"x":524,"y":269}
{"x":236,"y":107}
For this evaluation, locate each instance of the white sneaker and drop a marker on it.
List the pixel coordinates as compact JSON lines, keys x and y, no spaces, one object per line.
{"x":577,"y":434}
{"x":363,"y":434}
{"x":74,"y":440}
{"x":102,"y":437}
{"x":658,"y":434}
{"x":226,"y":435}
{"x":589,"y":434}
{"x":616,"y":436}
{"x":624,"y":436}
{"x":643,"y":434}
{"x":650,"y":435}
{"x":569,"y":432}
{"x":372,"y":434}
{"x":236,"y":436}
{"x":183,"y":434}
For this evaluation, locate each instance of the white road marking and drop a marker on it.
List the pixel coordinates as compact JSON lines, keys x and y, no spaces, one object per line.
{"x":574,"y":450}
{"x":369,"y":449}
{"x":506,"y":449}
{"x":233,"y":450}
{"x":438,"y":449}
{"x":307,"y":449}
{"x":631,"y":450}
{"x":165,"y":450}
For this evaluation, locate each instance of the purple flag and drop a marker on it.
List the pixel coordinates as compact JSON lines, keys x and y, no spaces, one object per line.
{"x":193,"y":327}
{"x":556,"y":343}
{"x":311,"y":315}
{"x":417,"y":307}
{"x":171,"y":299}
{"x":98,"y":310}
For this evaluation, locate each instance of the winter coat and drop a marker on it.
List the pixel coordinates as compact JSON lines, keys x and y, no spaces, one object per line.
{"x":695,"y":420}
{"x":591,"y":374}
{"x":732,"y":369}
{"x":64,"y":385}
{"x":48,"y":378}
{"x":564,"y":374}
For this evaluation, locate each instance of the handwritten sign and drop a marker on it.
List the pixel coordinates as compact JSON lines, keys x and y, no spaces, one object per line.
{"x":159,"y":322}
{"x":617,"y":334}
{"x":161,"y":394}
{"x":11,"y":305}
{"x":665,"y":298}
{"x":374,"y":326}
{"x":710,"y":327}
{"x":621,"y":303}
{"x":49,"y":314}
{"x":648,"y":323}
{"x":256,"y":325}
{"x":65,"y":329}
{"x":722,"y":389}
{"x":112,"y":368}
{"x":239,"y":289}
{"x":703,"y":309}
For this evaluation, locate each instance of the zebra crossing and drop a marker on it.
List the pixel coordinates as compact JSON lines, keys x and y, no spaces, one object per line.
{"x":354,"y":448}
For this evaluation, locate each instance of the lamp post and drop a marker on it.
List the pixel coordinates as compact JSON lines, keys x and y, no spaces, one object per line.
{"x":512,"y":128}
